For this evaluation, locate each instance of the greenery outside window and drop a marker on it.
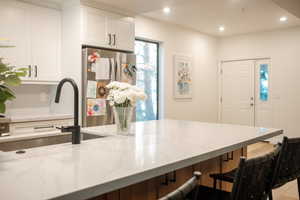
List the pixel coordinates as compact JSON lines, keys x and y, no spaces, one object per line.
{"x":147,"y":54}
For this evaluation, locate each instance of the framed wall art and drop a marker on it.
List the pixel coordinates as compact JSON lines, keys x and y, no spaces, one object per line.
{"x":183,"y":82}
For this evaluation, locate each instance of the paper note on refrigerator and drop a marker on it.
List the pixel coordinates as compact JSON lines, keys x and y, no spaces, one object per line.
{"x":91,"y":91}
{"x":102,"y":68}
{"x":96,"y":107}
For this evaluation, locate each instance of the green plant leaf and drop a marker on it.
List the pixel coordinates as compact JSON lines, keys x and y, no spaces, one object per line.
{"x":12,"y":80}
{"x":3,"y":68}
{"x":2,"y":107}
{"x":6,"y":94}
{"x":21,"y":74}
{"x":9,"y":76}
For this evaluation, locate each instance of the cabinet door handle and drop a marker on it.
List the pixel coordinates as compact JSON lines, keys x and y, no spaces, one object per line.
{"x":166,"y":181}
{"x":43,"y":127}
{"x":228,"y":158}
{"x":29,"y":70}
{"x":109,"y":39}
{"x":36,"y":71}
{"x":114,"y":39}
{"x":174,"y":178}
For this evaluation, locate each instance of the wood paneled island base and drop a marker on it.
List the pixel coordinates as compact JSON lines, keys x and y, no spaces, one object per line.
{"x":158,"y":187}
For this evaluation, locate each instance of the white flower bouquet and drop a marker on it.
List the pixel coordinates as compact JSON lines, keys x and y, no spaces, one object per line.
{"x":123,"y":97}
{"x":124,"y":94}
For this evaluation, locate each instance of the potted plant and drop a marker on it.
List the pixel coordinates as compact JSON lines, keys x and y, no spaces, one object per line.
{"x":9,"y":76}
{"x":123,"y":97}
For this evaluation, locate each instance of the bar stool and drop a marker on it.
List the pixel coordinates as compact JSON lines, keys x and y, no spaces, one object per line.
{"x":288,"y":164}
{"x":227,"y":176}
{"x":252,"y":179}
{"x":188,"y":191}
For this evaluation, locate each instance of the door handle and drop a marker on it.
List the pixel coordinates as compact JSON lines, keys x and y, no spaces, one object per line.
{"x":174,"y":179}
{"x":251,"y":104}
{"x":166,"y":181}
{"x":29,"y":70}
{"x":109,"y":39}
{"x":228,"y":158}
{"x":114,"y":39}
{"x":36,"y":71}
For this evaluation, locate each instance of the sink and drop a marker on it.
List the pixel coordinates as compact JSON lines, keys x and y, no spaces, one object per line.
{"x":42,"y":141}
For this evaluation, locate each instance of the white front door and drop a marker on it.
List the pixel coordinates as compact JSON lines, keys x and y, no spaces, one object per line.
{"x":237,"y":93}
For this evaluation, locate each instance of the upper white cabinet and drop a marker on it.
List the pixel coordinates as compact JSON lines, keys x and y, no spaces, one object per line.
{"x":14,"y":21}
{"x":35,"y":32}
{"x":45,"y":34}
{"x":107,"y":30}
{"x":94,"y":27}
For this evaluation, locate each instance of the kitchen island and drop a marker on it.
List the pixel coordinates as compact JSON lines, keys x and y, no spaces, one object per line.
{"x":160,"y":156}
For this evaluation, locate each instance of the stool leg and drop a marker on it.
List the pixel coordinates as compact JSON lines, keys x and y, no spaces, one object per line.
{"x":270,"y":195}
{"x":298,"y":182}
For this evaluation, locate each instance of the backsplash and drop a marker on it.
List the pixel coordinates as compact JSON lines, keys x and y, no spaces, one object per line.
{"x":31,"y":100}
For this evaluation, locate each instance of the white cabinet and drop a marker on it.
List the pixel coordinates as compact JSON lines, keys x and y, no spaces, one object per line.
{"x":45,"y":44}
{"x":14,"y":22}
{"x":35,"y":31}
{"x":94,"y":27}
{"x":122,"y":32}
{"x":125,"y":33}
{"x":107,"y":30}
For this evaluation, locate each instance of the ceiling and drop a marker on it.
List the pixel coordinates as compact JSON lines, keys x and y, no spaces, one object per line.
{"x":237,"y":16}
{"x":293,"y":6}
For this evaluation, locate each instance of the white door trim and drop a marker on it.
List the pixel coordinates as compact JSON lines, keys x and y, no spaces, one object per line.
{"x":245,"y":59}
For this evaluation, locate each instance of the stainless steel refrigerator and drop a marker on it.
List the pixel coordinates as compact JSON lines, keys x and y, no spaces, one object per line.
{"x":100,"y":67}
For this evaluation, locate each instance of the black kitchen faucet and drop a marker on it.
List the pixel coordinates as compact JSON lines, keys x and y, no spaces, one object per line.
{"x":75,"y":129}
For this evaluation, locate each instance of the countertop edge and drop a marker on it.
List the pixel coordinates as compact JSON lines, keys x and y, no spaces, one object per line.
{"x":148,"y":174}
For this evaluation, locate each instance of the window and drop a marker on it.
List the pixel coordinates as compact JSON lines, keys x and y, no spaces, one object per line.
{"x":264,"y":82}
{"x":147,"y":78}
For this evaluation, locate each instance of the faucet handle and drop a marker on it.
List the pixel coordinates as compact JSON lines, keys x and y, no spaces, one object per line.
{"x":69,"y":128}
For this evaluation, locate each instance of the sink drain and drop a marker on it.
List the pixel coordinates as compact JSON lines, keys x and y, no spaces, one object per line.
{"x":20,"y":152}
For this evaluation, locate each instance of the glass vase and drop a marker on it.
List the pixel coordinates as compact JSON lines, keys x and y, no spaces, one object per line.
{"x":123,"y":118}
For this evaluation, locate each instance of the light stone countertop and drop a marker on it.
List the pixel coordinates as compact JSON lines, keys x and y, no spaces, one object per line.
{"x":102,"y":165}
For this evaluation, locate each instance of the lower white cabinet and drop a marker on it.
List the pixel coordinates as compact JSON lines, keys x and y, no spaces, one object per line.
{"x":36,"y":33}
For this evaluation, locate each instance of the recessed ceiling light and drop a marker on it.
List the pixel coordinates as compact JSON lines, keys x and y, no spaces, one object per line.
{"x":221,"y":28}
{"x":283,"y":19}
{"x":167,"y":10}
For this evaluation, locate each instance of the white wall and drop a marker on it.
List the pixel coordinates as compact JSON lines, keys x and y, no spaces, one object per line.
{"x":71,"y":56}
{"x":203,"y":49}
{"x":283,"y":47}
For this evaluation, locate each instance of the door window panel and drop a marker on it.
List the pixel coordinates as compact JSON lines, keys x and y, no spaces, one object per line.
{"x":264,"y":82}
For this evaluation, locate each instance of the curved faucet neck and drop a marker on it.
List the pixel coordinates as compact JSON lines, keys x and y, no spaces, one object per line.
{"x":76,"y":96}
